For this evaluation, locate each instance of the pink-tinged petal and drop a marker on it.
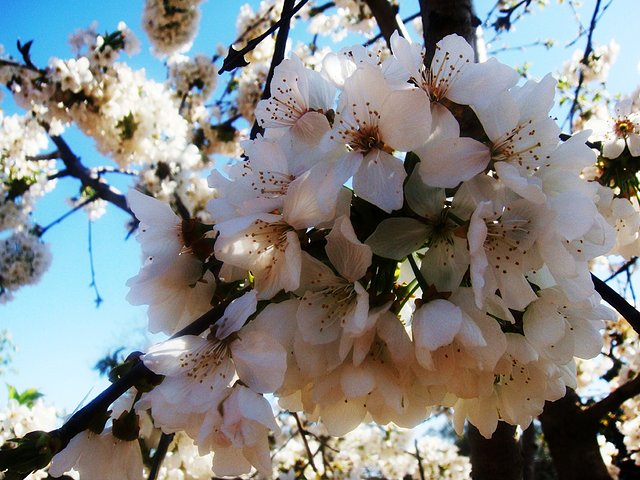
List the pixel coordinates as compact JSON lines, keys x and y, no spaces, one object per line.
{"x":536,"y":98}
{"x":499,"y":116}
{"x":520,"y":349}
{"x":435,"y":324}
{"x":359,"y":318}
{"x":479,"y":263}
{"x":446,"y":163}
{"x":342,"y":416}
{"x":470,"y":334}
{"x":543,"y":325}
{"x":405,"y":119}
{"x":315,"y":275}
{"x":356,"y":101}
{"x":574,"y":214}
{"x":150,"y":210}
{"x":347,"y":254}
{"x":444,"y":264}
{"x":236,"y":314}
{"x":230,"y":461}
{"x":356,"y":382}
{"x":260,"y":361}
{"x":162,"y":358}
{"x":379,"y":180}
{"x":396,"y":238}
{"x":424,"y":200}
{"x":588,"y":339}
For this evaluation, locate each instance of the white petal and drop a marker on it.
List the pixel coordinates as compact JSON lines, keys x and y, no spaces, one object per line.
{"x":435,"y":324}
{"x":446,"y":163}
{"x":379,"y":180}
{"x":405,"y":119}
{"x":236,"y":314}
{"x":356,"y":382}
{"x":260,"y":361}
{"x":348,"y":255}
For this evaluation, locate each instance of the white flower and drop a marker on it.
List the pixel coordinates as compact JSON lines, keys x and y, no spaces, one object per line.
{"x":241,"y":437}
{"x":172,"y":280}
{"x":99,"y":457}
{"x":500,"y":241}
{"x":300,"y":98}
{"x":198,"y":370}
{"x":452,"y":74}
{"x":620,"y":130}
{"x":373,"y":120}
{"x":332,"y":304}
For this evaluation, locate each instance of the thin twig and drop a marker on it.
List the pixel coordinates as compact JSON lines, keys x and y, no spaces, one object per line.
{"x":419,"y":459}
{"x":93,"y":283}
{"x":373,"y":40}
{"x":585,"y":61}
{"x":109,"y":169}
{"x":303,"y":434}
{"x":43,"y":230}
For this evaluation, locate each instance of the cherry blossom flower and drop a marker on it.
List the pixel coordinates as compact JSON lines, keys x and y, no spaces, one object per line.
{"x":373,"y":126}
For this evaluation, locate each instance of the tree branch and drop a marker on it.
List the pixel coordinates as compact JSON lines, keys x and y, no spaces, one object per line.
{"x":611,"y":402}
{"x":585,"y":61}
{"x":613,"y":298}
{"x":278,"y":56}
{"x":82,"y":419}
{"x":385,"y":15}
{"x":373,"y":40}
{"x":161,"y":452}
{"x":496,"y":457}
{"x":235,"y":58}
{"x":444,"y":17}
{"x":75,"y":168}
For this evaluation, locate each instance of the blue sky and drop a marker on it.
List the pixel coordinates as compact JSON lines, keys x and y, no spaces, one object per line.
{"x":59,"y":332}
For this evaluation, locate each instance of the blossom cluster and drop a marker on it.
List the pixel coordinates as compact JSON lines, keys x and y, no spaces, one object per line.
{"x":386,"y":258}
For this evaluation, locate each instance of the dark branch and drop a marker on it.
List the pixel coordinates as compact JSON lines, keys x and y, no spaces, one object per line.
{"x":278,"y":56}
{"x":82,"y":419}
{"x":44,"y":156}
{"x":613,"y":298}
{"x":385,"y":15}
{"x":75,"y":168}
{"x":235,"y":58}
{"x":161,"y":452}
{"x":444,"y":17}
{"x":614,"y":400}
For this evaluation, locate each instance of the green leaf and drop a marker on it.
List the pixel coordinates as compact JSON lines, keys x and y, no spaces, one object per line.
{"x":27,"y":397}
